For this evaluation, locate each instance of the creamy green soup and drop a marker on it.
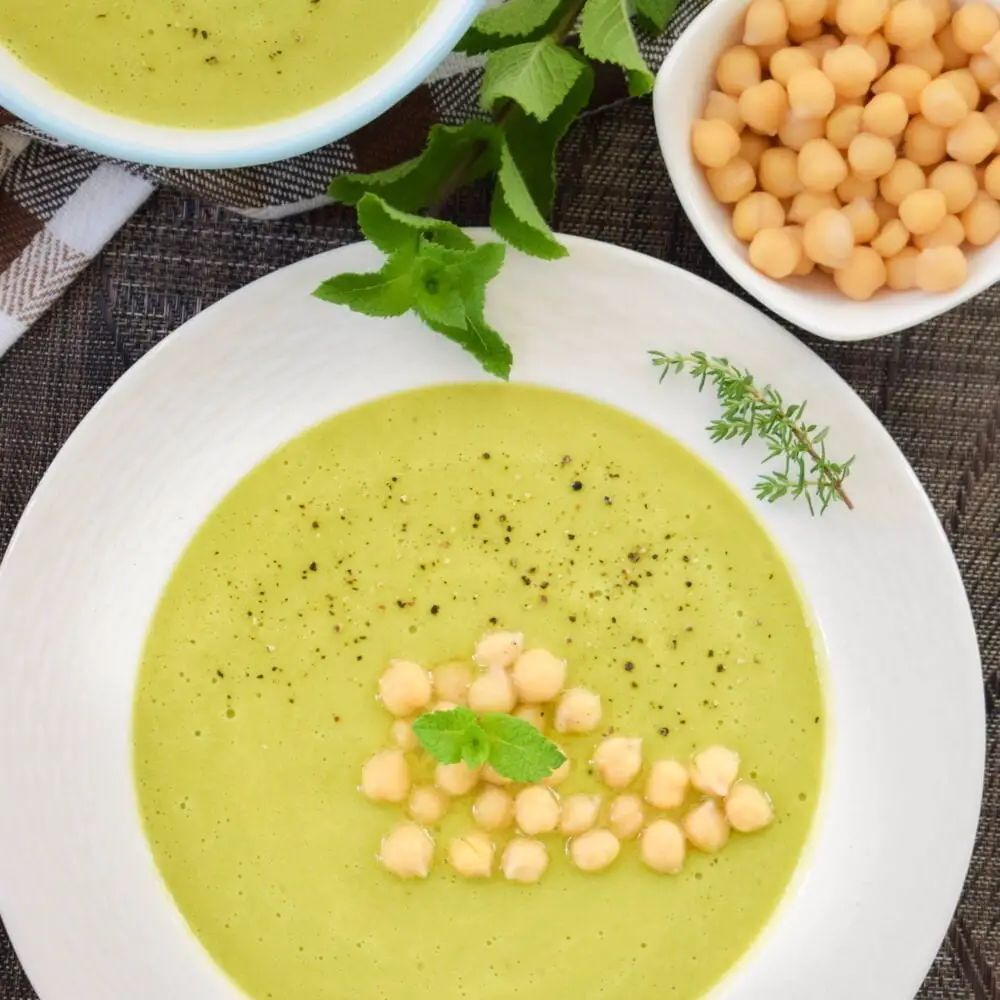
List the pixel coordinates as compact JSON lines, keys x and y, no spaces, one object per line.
{"x":207,"y":63}
{"x":408,"y":527}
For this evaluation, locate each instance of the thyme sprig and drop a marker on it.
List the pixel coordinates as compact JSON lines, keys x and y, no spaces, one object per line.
{"x":749,"y":411}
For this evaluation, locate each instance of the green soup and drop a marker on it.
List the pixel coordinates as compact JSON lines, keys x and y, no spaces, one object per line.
{"x":207,"y":63}
{"x":407,"y":528}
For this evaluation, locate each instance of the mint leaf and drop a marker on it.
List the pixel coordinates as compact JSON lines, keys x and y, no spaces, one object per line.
{"x":515,"y":216}
{"x":391,"y":229}
{"x":388,"y":292}
{"x":654,"y":15}
{"x":444,"y":735}
{"x":606,"y":35}
{"x":450,"y":282}
{"x":515,"y":20}
{"x":469,"y":149}
{"x":536,"y":75}
{"x":519,"y":751}
{"x":476,"y":751}
{"x":533,"y":144}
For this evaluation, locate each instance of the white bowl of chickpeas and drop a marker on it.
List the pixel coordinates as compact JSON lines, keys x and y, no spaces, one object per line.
{"x":838,"y":157}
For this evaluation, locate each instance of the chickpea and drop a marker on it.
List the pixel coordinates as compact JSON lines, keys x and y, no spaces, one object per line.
{"x":667,"y":784}
{"x":493,"y":809}
{"x":626,"y":816}
{"x":981,"y":220}
{"x":404,"y":687}
{"x":775,"y":252}
{"x":796,"y":131}
{"x":863,"y":219}
{"x":885,"y":115}
{"x":924,"y":143}
{"x":992,"y":112}
{"x":957,"y":182}
{"x":856,"y":187}
{"x":922,"y":211}
{"x":928,"y":57}
{"x":909,"y":24}
{"x":536,"y":810}
{"x":820,"y":45}
{"x":810,"y":93}
{"x":386,"y":777}
{"x":451,"y":682}
{"x":907,"y":81}
{"x":863,"y":276}
{"x":662,"y":847}
{"x":954,"y":57}
{"x":427,"y":804}
{"x":821,"y":165}
{"x":752,"y":147}
{"x":534,"y":715}
{"x":714,"y":770}
{"x":876,"y":46}
{"x":765,"y":22}
{"x":491,"y":776}
{"x":941,"y":9}
{"x":401,"y":735}
{"x":861,"y":17}
{"x":985,"y":71}
{"x":737,"y":69}
{"x":965,"y":83}
{"x":805,"y":12}
{"x":904,"y":178}
{"x":755,"y":212}
{"x":901,"y":269}
{"x":871,"y":156}
{"x":805,"y":265}
{"x":800,"y":33}
{"x":498,"y":649}
{"x":524,"y":861}
{"x":560,"y":774}
{"x":724,"y":108}
{"x":706,"y":827}
{"x":950,"y":233}
{"x":764,"y":106}
{"x":492,"y":692}
{"x":843,"y":125}
{"x":972,"y":139}
{"x":809,"y":203}
{"x":456,"y":779}
{"x":407,"y":851}
{"x":786,"y":61}
{"x":594,"y":850}
{"x":973,"y":25}
{"x":472,"y":855}
{"x":991,"y":181}
{"x":579,"y":814}
{"x":578,"y":711}
{"x":748,"y":809}
{"x":538,"y":675}
{"x":779,"y":172}
{"x":618,"y":760}
{"x":892,"y":237}
{"x":941,"y":269}
{"x":851,"y":69}
{"x":942,"y":104}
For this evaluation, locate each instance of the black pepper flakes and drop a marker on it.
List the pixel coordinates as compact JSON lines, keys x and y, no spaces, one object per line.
{"x":664,"y":731}
{"x":576,"y":485}
{"x":312,"y":567}
{"x":435,"y":609}
{"x":629,"y":666}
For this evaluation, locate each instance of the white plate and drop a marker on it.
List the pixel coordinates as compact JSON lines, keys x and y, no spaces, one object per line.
{"x":78,"y":888}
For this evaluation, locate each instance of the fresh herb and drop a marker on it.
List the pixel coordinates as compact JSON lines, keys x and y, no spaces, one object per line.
{"x":513,"y":747}
{"x":752,"y":411}
{"x":538,"y":78}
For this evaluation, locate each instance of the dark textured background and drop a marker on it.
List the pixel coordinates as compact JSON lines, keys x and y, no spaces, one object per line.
{"x":936,"y":388}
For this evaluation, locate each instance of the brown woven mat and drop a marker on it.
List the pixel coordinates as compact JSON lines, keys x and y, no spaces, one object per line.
{"x":937,"y":389}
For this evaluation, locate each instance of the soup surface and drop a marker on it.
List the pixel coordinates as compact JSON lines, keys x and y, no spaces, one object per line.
{"x":207,"y":63}
{"x":408,"y":527}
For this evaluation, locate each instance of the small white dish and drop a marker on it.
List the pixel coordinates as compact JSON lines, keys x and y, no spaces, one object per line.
{"x":813,"y":303}
{"x":38,"y":102}
{"x":79,"y":891}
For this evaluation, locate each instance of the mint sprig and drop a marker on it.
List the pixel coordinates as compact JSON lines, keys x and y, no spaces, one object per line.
{"x":513,"y":747}
{"x":538,"y":79}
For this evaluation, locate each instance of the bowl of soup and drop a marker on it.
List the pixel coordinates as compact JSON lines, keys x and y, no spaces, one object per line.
{"x":217,"y":83}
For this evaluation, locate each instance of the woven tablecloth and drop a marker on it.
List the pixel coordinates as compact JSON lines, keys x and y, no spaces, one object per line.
{"x":936,"y":389}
